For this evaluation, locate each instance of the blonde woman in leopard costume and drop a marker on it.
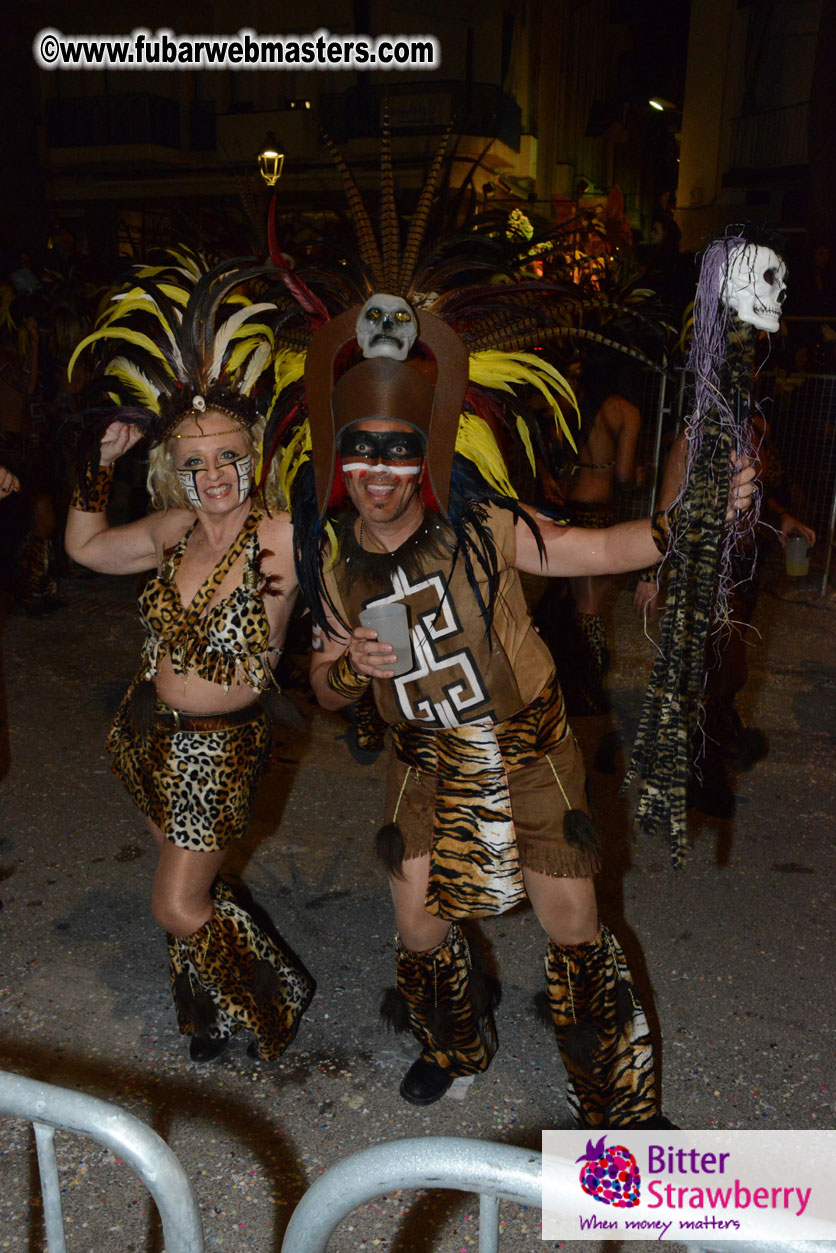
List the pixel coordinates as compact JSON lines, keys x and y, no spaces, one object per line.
{"x":191,"y":738}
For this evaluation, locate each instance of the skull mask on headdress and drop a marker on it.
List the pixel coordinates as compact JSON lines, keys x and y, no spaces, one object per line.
{"x":754,"y":286}
{"x":386,"y":327}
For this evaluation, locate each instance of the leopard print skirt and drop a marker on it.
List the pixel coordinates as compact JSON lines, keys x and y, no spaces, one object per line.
{"x":197,"y":786}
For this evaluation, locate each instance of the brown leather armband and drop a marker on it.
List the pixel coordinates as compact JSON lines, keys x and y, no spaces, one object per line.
{"x":92,"y":495}
{"x":661,"y":525}
{"x":343,"y":679}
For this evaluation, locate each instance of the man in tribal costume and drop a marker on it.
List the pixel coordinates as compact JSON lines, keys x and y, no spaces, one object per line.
{"x":485,"y":793}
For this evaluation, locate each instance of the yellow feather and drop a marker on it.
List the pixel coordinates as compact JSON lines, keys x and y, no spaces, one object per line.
{"x":241,"y":351}
{"x":475,"y":441}
{"x":124,"y":370}
{"x":119,"y":332}
{"x":523,"y":432}
{"x":292,"y":456}
{"x":333,"y":543}
{"x":506,"y":371}
{"x":289,"y":366}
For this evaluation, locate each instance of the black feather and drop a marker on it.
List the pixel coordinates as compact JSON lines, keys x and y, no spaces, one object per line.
{"x":198,"y":1009}
{"x":389,"y":846}
{"x":580,"y":1043}
{"x":580,"y":831}
{"x":281,"y":710}
{"x":267,"y":984}
{"x":625,"y":1004}
{"x":142,"y":707}
{"x":394,"y":1011}
{"x":542,"y":1009}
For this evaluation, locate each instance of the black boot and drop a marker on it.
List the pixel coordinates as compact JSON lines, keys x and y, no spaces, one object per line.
{"x":446,"y":1002}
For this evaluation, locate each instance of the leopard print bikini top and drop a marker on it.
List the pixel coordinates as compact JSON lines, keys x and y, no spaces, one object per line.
{"x":225,"y":643}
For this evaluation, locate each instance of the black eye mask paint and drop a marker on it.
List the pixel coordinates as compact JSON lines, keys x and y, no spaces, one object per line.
{"x":381,"y":445}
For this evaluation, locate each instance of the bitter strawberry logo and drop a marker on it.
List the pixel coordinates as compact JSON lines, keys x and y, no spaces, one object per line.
{"x":610,"y":1174}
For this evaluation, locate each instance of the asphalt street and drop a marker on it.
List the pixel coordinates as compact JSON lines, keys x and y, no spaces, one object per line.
{"x":733,"y":954}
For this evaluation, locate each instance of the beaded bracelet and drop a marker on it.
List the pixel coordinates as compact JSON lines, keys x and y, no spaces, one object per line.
{"x":343,"y":679}
{"x":94,"y":495}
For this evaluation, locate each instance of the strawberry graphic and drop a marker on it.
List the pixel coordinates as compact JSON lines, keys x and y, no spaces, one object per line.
{"x":610,"y":1174}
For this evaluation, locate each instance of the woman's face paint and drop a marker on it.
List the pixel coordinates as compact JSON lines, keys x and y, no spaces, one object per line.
{"x":205,"y":463}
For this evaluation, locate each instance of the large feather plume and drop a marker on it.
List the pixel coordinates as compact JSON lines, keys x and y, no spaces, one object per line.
{"x":177,"y":330}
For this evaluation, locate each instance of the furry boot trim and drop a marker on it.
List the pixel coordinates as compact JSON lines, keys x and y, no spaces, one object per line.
{"x":449,"y":1000}
{"x":197,"y":1011}
{"x":253,"y":979}
{"x":602,"y":1034}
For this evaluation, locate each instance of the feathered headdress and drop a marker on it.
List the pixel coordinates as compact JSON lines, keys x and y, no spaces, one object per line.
{"x":180,"y":338}
{"x":480,"y":336}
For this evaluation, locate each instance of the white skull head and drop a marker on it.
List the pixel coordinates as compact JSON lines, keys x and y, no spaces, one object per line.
{"x":754,"y":286}
{"x":386,"y":327}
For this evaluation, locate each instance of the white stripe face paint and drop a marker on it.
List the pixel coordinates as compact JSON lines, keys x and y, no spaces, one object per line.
{"x":363,"y":468}
{"x":244,"y":474}
{"x":244,"y":468}
{"x":188,"y":478}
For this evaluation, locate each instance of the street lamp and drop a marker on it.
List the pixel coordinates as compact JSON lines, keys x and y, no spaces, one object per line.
{"x":270,"y":161}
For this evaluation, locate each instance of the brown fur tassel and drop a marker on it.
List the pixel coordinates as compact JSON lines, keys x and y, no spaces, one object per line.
{"x":580,"y":1042}
{"x":199,"y":1008}
{"x":142,"y":707}
{"x":266,"y":983}
{"x":580,"y":831}
{"x":389,"y":846}
{"x":394,"y":1011}
{"x":281,"y":710}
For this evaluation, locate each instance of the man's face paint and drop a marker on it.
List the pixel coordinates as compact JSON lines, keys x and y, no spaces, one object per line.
{"x":382,"y":463}
{"x":400,"y":453}
{"x":243,"y":464}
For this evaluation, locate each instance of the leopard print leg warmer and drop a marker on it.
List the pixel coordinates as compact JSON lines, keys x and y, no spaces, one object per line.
{"x":602,"y":1034}
{"x":251,"y":979}
{"x":446,"y":1000}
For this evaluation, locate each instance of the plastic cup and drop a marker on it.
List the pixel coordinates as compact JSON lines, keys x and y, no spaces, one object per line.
{"x":392,"y":625}
{"x":798,"y":556}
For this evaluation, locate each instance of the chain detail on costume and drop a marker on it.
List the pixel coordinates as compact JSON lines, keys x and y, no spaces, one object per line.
{"x":343,"y":679}
{"x":409,"y":771}
{"x":92,"y":495}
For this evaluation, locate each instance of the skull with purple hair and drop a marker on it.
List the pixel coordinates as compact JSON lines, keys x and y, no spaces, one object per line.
{"x":753,"y":284}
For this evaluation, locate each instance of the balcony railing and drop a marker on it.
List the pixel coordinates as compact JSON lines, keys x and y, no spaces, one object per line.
{"x":777,"y":137}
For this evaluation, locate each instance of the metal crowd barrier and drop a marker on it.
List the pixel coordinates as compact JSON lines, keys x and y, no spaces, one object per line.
{"x":50,"y":1108}
{"x":495,"y":1171}
{"x":498,"y":1172}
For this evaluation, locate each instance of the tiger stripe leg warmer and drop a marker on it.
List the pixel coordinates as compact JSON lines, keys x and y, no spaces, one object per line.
{"x":251,"y":979}
{"x":602,"y":1034}
{"x":445,"y":998}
